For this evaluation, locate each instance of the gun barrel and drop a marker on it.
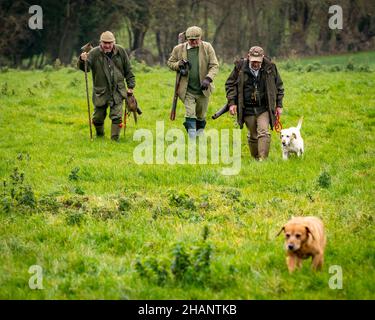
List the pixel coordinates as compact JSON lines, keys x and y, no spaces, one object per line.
{"x":172,"y":115}
{"x":220,"y":112}
{"x":174,"y":107}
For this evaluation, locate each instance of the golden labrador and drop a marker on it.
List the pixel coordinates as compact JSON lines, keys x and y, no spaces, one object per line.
{"x":304,"y":238}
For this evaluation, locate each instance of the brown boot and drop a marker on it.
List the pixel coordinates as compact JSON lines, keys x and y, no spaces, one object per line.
{"x":264,"y":147}
{"x":115,"y":131}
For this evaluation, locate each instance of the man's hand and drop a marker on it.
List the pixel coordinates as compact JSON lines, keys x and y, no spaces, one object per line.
{"x":183,"y":67}
{"x":130,"y":92}
{"x":205,"y":83}
{"x":84,"y":56}
{"x":183,"y":64}
{"x":233,"y":110}
{"x":279,"y":111}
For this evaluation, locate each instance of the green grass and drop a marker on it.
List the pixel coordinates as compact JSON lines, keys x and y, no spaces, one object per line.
{"x":366,"y":57}
{"x":92,"y":218}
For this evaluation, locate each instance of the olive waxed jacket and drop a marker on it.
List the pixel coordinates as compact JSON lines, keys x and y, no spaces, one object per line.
{"x":106,"y":86}
{"x":234,"y":88}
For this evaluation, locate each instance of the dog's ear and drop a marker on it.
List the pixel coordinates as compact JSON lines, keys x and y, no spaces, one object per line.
{"x":308,"y":231}
{"x":294,"y":136}
{"x":282,"y":229}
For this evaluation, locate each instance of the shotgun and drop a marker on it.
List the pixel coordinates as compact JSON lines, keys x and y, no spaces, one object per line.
{"x":175,"y":97}
{"x":220,"y":112}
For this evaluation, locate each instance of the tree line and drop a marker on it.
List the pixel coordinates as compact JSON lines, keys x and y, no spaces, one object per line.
{"x":281,"y":27}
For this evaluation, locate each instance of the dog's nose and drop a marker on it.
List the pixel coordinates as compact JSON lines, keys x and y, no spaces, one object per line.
{"x":290,"y":246}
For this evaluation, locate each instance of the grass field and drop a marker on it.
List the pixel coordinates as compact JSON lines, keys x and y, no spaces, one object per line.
{"x":103,"y":227}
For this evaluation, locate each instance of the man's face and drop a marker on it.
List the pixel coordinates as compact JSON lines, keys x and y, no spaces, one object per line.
{"x":255,"y":65}
{"x":107,"y":46}
{"x":194,"y":42}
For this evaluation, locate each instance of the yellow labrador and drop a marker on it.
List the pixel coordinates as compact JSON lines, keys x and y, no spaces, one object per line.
{"x":292,"y":141}
{"x":304,"y":238}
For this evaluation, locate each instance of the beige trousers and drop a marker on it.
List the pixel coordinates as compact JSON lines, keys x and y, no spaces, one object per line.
{"x":196,"y":106}
{"x":258,"y":135}
{"x":258,"y":125}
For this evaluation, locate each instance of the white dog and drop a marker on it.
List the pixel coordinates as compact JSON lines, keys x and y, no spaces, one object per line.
{"x":291,"y":141}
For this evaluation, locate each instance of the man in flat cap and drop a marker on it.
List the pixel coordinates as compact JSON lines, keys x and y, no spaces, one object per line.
{"x":196,"y":61}
{"x":255,"y":92}
{"x":110,"y":67}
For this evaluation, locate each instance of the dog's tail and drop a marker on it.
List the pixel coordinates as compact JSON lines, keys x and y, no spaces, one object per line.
{"x":300,"y":123}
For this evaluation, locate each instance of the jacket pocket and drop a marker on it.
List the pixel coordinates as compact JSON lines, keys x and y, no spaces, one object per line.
{"x":99,"y":91}
{"x":99,"y":96}
{"x":122,"y":89}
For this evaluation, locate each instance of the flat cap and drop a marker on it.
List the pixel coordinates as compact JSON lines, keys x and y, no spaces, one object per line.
{"x":107,"y":37}
{"x":193,"y":33}
{"x":256,"y":54}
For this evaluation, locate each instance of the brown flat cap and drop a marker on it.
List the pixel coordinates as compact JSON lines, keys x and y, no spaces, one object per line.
{"x":256,"y":54}
{"x":107,"y":37}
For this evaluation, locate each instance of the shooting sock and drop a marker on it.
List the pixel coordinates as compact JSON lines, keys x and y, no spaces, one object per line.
{"x":201,"y":124}
{"x":191,"y":127}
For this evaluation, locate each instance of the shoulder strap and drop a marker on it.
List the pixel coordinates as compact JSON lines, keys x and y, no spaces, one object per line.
{"x":114,"y":65}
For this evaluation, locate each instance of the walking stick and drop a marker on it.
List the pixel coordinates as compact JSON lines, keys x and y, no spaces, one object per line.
{"x":88,"y":100}
{"x":86,"y":48}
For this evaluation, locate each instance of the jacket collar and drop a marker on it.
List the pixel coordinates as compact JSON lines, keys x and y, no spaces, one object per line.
{"x":267,"y":63}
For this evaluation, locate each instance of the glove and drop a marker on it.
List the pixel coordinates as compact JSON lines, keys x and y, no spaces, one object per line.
{"x":205,"y":83}
{"x":183,"y":67}
{"x":183,"y":64}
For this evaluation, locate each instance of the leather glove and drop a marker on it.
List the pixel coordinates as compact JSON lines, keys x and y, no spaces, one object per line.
{"x":205,"y":83}
{"x":184,"y":64}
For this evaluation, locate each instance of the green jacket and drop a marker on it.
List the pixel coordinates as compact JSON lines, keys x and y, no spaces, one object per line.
{"x":234,"y":88}
{"x":106,"y":87}
{"x":208,"y":65}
